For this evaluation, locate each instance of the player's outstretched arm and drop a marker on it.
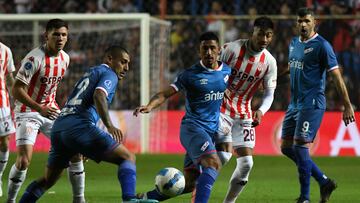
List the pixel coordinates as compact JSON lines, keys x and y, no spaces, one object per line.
{"x":348,"y":115}
{"x":155,"y":101}
{"x":10,"y":81}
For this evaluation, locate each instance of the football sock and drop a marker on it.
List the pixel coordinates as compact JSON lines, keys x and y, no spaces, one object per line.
{"x":4,"y":156}
{"x":32,"y":193}
{"x":304,"y":168}
{"x":224,"y":157}
{"x":315,"y":170}
{"x":76,"y":176}
{"x":204,"y":184}
{"x":127,"y":179}
{"x":239,"y":178}
{"x":16,"y":179}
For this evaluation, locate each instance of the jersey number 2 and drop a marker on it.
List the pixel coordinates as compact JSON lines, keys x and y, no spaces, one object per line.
{"x":81,"y":88}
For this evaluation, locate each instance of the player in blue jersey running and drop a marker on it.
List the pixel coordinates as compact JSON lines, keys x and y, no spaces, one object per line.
{"x":310,"y":57}
{"x":204,"y":84}
{"x":75,"y":129}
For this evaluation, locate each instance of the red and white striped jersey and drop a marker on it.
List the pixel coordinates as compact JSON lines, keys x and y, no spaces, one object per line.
{"x":249,"y":70}
{"x":6,"y":66}
{"x":42,"y":74}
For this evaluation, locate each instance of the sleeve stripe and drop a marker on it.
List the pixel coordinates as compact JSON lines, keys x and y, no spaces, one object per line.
{"x":103,"y":89}
{"x":333,"y":68}
{"x":174,"y":86}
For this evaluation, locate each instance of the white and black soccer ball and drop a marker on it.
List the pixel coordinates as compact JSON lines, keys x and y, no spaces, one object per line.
{"x":170,"y":182}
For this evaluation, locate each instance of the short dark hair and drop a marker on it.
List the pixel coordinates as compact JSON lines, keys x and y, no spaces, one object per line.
{"x":304,"y":11}
{"x":264,"y":23}
{"x":56,"y":24}
{"x":208,"y":36}
{"x":115,"y":49}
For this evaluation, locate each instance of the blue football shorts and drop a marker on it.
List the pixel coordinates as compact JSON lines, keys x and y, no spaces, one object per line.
{"x":197,"y":142}
{"x":69,"y":139}
{"x":301,"y":124}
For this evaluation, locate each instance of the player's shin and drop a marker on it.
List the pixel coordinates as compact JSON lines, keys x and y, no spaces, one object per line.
{"x":204,"y":184}
{"x":76,"y":176}
{"x":127,"y":179}
{"x":4,"y":156}
{"x":239,"y":178}
{"x":16,"y":179}
{"x":32,"y":193}
{"x":304,"y":169}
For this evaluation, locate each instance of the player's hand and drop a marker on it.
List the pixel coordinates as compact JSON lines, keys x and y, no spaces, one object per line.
{"x":227,"y":93}
{"x":116,"y":134}
{"x":257,"y":118}
{"x":49,"y":112}
{"x":348,"y":115}
{"x":141,"y":109}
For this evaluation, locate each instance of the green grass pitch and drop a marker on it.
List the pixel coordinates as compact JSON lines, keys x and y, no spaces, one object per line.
{"x":273,"y":179}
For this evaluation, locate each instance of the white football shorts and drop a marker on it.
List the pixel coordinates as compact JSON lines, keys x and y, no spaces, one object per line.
{"x":6,"y":122}
{"x":239,"y":131}
{"x":28,"y":125}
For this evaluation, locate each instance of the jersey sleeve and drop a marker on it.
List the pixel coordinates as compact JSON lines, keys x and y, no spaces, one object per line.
{"x":107,"y":82}
{"x":29,"y":66}
{"x":225,"y":53}
{"x":328,"y":57}
{"x":10,"y":62}
{"x":271,"y":75}
{"x":179,"y":83}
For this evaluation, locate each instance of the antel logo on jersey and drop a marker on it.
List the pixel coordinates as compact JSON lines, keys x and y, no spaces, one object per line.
{"x":296,"y":64}
{"x":50,"y":80}
{"x":214,"y":96}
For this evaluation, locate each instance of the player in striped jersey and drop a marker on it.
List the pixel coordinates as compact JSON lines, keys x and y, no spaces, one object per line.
{"x":252,"y":66}
{"x":6,"y":123}
{"x":35,"y":107}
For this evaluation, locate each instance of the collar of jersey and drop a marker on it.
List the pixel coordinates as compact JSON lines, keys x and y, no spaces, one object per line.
{"x":209,"y":69}
{"x":306,"y":41}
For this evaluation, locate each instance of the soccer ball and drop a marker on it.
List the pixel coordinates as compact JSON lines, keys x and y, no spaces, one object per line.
{"x":170,"y":182}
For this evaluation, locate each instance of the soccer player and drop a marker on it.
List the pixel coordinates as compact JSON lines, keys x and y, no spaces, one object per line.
{"x":310,"y":57}
{"x":252,"y":65}
{"x":6,"y":125}
{"x":75,"y":129}
{"x":35,"y":107}
{"x":204,"y":84}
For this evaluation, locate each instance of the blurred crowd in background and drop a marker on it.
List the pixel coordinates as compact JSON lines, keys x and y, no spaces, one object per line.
{"x":190,"y":18}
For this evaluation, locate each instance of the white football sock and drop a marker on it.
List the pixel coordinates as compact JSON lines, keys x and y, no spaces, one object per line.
{"x":76,"y":176}
{"x":224,"y":157}
{"x":4,"y":156}
{"x":16,"y":179}
{"x":239,"y":178}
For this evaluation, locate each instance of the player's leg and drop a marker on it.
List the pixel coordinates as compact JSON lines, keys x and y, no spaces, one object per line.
{"x":4,"y":156}
{"x":223,"y":138}
{"x":28,"y":125}
{"x":244,"y":142}
{"x":58,"y":160}
{"x":76,"y":174}
{"x":6,"y":129}
{"x":307,"y":125}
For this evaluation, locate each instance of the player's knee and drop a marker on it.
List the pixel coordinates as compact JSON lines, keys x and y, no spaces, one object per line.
{"x":224,"y":157}
{"x":22,"y":163}
{"x":129,"y":157}
{"x":4,"y":143}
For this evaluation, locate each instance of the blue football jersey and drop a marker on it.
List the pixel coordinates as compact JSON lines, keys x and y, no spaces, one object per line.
{"x":204,"y":90}
{"x":309,"y":61}
{"x":80,"y":102}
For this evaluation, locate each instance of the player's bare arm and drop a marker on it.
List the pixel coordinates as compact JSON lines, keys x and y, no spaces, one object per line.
{"x":10,"y":81}
{"x":155,"y":101}
{"x":348,"y":114}
{"x":19,"y":93}
{"x":103,"y":111}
